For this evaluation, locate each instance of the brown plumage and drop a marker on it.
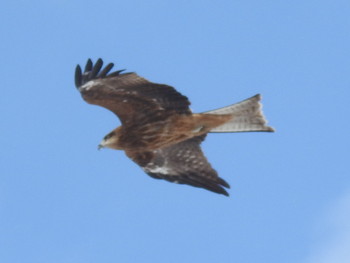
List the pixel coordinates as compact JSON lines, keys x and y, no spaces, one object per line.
{"x":159,"y":132}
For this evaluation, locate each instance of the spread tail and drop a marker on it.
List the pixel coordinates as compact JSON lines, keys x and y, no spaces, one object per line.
{"x":247,"y":116}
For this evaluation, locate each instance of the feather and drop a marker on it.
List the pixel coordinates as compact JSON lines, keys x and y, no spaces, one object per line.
{"x":78,"y":78}
{"x":182,"y":163}
{"x":96,"y":69}
{"x":88,"y":66}
{"x":105,"y":71}
{"x":246,"y":116}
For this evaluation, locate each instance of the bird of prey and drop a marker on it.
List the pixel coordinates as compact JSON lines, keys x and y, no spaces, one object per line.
{"x":159,"y":132}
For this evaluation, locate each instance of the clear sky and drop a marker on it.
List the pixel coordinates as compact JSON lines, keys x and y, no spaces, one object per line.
{"x":62,"y":201}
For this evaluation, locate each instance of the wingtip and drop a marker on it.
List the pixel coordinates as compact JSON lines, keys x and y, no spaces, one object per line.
{"x":218,"y":188}
{"x":224,"y":192}
{"x":95,"y":68}
{"x":106,"y":70}
{"x":99,"y":61}
{"x":88,"y":65}
{"x":94,"y":71}
{"x":78,"y":77}
{"x":223,"y":183}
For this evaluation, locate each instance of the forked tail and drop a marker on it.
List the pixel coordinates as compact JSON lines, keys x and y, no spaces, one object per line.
{"x":247,"y":116}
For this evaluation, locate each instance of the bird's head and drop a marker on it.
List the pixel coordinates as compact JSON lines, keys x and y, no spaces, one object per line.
{"x":111,"y":140}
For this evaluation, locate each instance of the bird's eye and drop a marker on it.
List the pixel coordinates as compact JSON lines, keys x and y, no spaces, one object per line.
{"x":109,"y":135}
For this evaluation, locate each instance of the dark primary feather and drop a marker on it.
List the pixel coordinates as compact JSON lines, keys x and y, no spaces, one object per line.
{"x":91,"y":71}
{"x":88,"y":66}
{"x":78,"y":76}
{"x":96,"y":69}
{"x":105,"y":71}
{"x":182,"y":163}
{"x":128,"y":95}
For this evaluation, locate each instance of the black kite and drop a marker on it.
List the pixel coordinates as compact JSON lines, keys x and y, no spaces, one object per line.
{"x":159,"y":131}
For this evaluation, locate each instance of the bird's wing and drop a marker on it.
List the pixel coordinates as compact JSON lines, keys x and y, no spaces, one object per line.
{"x":182,"y":163}
{"x":131,"y":97}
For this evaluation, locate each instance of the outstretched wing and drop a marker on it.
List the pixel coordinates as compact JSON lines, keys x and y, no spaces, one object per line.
{"x":131,"y":97}
{"x":182,"y":163}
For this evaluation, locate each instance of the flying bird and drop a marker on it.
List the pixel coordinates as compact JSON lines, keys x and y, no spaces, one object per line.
{"x":158,"y":130}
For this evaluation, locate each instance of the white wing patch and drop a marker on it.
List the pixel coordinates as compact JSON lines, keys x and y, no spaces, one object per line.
{"x":157,"y":170}
{"x":88,"y":85}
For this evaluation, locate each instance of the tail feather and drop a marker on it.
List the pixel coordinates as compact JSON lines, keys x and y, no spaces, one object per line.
{"x":247,"y":116}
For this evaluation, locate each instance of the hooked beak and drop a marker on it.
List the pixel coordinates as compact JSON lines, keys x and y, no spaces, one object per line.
{"x":100,"y":146}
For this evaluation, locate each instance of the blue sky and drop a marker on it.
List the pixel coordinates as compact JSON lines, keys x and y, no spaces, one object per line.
{"x":61,"y":200}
